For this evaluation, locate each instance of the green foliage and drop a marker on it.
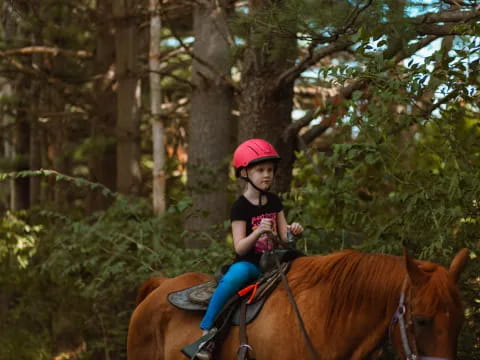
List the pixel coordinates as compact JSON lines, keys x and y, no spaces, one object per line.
{"x":399,"y":176}
{"x":86,"y":272}
{"x":18,"y":246}
{"x":360,"y":197}
{"x":17,"y":240}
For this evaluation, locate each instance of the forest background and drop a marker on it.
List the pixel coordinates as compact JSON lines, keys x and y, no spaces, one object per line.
{"x":118,"y":120}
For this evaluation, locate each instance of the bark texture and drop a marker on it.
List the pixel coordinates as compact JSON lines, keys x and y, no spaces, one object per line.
{"x":265,"y":103}
{"x":158,"y":131}
{"x":102,"y":162}
{"x":128,"y":136}
{"x":210,"y":127}
{"x":21,"y":144}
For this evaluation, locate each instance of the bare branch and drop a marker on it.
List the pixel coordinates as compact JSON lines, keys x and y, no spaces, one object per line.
{"x":438,"y":30}
{"x":337,"y":43}
{"x":458,"y":3}
{"x":70,"y":91}
{"x":170,"y":54}
{"x":295,"y":127}
{"x":406,"y":53}
{"x":313,"y":133}
{"x":311,"y":59}
{"x":173,"y":76}
{"x":46,"y":50}
{"x":352,"y":18}
{"x":428,"y":24}
{"x":448,"y":16}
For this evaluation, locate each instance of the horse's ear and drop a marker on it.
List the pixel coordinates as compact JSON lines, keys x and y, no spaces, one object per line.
{"x":458,"y":264}
{"x":417,"y":276}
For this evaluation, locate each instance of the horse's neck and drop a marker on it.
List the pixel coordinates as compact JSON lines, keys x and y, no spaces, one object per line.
{"x":351,"y":284}
{"x":358,"y":297}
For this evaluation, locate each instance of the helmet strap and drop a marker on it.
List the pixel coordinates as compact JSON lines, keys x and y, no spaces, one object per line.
{"x":260,"y":191}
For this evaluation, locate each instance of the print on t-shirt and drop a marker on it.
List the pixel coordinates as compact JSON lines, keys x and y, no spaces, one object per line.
{"x":264,"y":243}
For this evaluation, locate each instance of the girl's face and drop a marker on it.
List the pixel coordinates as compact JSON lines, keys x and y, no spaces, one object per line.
{"x":262,"y":174}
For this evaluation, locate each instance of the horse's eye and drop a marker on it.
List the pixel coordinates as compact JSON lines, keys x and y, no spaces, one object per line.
{"x":422,"y":321}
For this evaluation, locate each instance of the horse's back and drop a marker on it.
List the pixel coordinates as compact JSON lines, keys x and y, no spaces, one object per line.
{"x":150,"y":322}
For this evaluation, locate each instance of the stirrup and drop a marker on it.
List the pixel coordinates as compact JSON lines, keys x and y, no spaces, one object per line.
{"x":190,"y":351}
{"x":206,"y":351}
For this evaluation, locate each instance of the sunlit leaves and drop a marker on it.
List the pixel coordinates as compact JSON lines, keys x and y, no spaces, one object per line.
{"x":18,"y":240}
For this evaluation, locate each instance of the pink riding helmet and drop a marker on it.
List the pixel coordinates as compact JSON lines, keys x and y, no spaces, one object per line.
{"x":252,"y":152}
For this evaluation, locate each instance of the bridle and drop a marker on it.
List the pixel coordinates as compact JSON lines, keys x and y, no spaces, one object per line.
{"x":403,"y":317}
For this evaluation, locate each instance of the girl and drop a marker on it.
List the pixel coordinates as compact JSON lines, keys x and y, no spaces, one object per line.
{"x":257,"y":219}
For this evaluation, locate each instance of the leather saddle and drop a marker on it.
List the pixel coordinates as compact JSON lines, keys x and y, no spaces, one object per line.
{"x":197,"y":297}
{"x":239,"y":310}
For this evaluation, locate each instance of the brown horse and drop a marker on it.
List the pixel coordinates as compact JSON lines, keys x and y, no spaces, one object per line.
{"x":351,"y":303}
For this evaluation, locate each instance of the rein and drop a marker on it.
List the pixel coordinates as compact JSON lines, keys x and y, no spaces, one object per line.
{"x":313,"y":353}
{"x":402,"y":317}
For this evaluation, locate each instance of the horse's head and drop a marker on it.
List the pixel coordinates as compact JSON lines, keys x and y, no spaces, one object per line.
{"x":430,"y":314}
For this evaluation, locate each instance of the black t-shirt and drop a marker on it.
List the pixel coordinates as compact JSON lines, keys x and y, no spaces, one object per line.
{"x":244,"y":210}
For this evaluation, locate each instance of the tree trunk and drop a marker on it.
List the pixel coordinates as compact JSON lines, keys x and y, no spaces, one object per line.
{"x":210,"y":127}
{"x":265,"y":105}
{"x":21,"y":144}
{"x":159,"y":157}
{"x":35,"y":158}
{"x":102,"y":162}
{"x":17,"y":143}
{"x":60,"y":161}
{"x":6,"y":147}
{"x":128,"y":122}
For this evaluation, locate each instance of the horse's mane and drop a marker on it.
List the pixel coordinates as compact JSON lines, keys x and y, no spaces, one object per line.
{"x":355,"y":281}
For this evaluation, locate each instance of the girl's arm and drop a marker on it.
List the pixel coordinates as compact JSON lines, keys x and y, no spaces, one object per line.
{"x":243,"y":243}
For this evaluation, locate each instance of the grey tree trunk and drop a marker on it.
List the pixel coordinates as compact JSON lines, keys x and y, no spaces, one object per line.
{"x":210,"y":128}
{"x":265,"y":104}
{"x":102,"y":162}
{"x":128,"y":93}
{"x":158,"y":133}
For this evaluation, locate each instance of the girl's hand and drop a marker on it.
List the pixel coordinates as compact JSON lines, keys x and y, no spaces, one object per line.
{"x":296,"y":228}
{"x":266,"y":226}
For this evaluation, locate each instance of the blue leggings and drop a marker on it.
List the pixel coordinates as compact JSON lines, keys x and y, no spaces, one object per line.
{"x":239,"y":274}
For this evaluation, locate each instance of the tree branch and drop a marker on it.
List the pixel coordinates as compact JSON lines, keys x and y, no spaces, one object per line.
{"x":46,"y":50}
{"x":447,"y":16}
{"x":458,"y":3}
{"x":438,"y":30}
{"x":295,"y":127}
{"x":338,"y":43}
{"x":314,"y":132}
{"x":69,"y":91}
{"x":210,"y":67}
{"x":311,"y":59}
{"x":334,"y":107}
{"x":405,"y":53}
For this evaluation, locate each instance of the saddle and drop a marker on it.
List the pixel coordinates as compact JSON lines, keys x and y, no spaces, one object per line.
{"x":238,"y":311}
{"x":196,"y":298}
